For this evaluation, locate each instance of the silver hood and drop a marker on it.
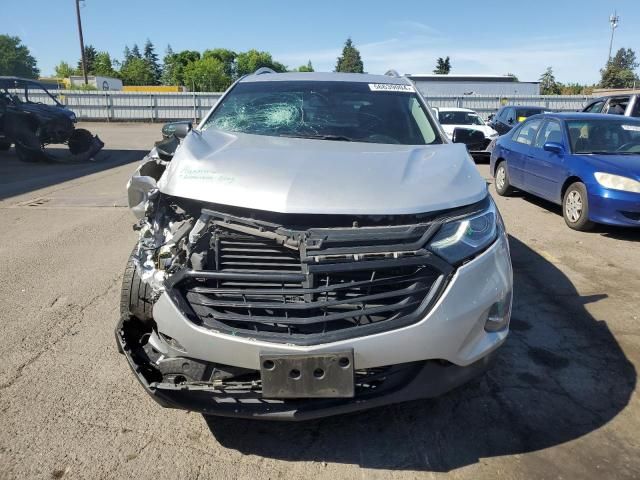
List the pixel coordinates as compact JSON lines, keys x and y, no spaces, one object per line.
{"x":291,"y":175}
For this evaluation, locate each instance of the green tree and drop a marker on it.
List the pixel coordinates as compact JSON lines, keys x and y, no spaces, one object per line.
{"x":206,"y":75}
{"x":227,"y":57}
{"x":103,"y":65}
{"x":350,"y":60}
{"x":136,"y":71}
{"x":64,"y":70}
{"x":306,"y":68}
{"x":575,"y":89}
{"x":90,"y":57}
{"x":548,"y":84}
{"x":135,"y":51}
{"x":620,"y":70}
{"x":15,"y":58}
{"x":126,"y":54}
{"x":250,"y":61}
{"x":174,"y":64}
{"x":151,"y":57}
{"x":443,"y":66}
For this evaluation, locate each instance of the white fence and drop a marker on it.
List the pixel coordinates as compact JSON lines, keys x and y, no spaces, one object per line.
{"x":162,"y":107}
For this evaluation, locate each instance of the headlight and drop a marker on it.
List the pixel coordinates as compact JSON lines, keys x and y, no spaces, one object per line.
{"x":617,"y":182}
{"x":463,"y":238}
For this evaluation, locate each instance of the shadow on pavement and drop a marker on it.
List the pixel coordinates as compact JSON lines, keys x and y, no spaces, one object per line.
{"x":18,"y":177}
{"x":560,"y":375}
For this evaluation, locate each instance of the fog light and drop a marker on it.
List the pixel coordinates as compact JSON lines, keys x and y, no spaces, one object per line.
{"x":499,"y":314}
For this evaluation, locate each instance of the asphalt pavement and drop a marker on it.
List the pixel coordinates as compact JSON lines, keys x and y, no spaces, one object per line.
{"x":561,"y":401}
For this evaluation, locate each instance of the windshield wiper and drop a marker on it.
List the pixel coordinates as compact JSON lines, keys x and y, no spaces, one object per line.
{"x":339,"y":138}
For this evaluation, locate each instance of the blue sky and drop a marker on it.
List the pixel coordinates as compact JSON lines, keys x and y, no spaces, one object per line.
{"x":481,"y":37}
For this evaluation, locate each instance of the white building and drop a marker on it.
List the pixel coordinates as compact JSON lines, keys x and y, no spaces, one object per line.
{"x":468,"y":85}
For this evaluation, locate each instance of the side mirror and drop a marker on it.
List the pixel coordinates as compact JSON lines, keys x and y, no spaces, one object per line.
{"x":554,"y":147}
{"x":510,"y":121}
{"x":468,"y":136}
{"x":177,"y":129}
{"x":490,"y":117}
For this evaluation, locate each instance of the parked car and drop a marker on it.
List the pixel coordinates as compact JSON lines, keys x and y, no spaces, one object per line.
{"x":315,"y":246}
{"x":588,"y":163}
{"x":627,"y":105}
{"x":452,"y":118}
{"x":32,"y":118}
{"x":509,"y":116}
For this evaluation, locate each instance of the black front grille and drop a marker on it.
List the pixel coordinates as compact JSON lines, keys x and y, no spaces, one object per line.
{"x":260,"y":288}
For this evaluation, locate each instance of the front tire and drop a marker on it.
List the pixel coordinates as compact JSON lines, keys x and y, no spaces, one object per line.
{"x":503,"y":187}
{"x":575,"y":207}
{"x":135,"y":297}
{"x":80,"y":141}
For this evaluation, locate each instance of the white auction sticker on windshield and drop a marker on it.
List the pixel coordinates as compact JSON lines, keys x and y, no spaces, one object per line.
{"x":391,"y":87}
{"x":631,"y":128}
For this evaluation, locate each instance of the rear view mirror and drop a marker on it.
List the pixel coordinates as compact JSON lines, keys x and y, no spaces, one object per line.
{"x":469,"y":137}
{"x":178,"y":129}
{"x":490,"y":117}
{"x":510,"y":121}
{"x":553,"y":147}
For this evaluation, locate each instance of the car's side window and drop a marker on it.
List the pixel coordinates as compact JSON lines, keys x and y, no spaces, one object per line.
{"x":617,"y":105}
{"x":595,"y":107}
{"x":527,"y":133}
{"x":550,"y":132}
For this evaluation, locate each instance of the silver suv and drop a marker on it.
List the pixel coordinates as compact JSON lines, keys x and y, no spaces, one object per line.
{"x":315,"y":246}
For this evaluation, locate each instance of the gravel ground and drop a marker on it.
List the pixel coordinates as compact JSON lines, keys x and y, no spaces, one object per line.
{"x":561,"y":401}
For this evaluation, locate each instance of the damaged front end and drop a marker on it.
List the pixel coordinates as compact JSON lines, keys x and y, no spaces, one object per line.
{"x":286,"y":279}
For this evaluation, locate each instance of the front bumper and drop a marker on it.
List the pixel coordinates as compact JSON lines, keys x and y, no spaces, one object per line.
{"x":614,"y":207}
{"x":446,"y":348}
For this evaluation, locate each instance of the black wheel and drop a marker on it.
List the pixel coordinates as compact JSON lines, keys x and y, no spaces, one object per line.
{"x":135,"y":298}
{"x":80,"y":141}
{"x":503,"y":187}
{"x":4,"y":146}
{"x":575,"y":207}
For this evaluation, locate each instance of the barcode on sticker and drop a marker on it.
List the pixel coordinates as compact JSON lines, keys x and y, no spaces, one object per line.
{"x":631,"y":128}
{"x":391,"y":87}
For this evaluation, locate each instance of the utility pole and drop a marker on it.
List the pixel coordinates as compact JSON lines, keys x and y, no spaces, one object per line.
{"x":613,"y":20}
{"x":83,"y":59}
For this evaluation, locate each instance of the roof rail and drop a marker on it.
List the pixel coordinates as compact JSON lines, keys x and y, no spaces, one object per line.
{"x":392,"y":73}
{"x":262,"y":70}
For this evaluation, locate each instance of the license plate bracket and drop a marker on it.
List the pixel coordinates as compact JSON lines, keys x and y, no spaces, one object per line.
{"x":322,"y":375}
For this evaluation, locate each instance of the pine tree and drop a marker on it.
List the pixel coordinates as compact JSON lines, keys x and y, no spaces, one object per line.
{"x":443,"y":66}
{"x":135,"y":51}
{"x":151,"y":57}
{"x":620,"y":70}
{"x":548,"y":84}
{"x":90,"y":57}
{"x":350,"y":61}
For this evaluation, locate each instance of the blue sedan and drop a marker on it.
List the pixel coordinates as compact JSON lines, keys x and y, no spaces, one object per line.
{"x":588,"y":163}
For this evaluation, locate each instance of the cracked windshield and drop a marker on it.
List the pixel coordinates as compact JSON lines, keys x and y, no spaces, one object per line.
{"x":341,"y":111}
